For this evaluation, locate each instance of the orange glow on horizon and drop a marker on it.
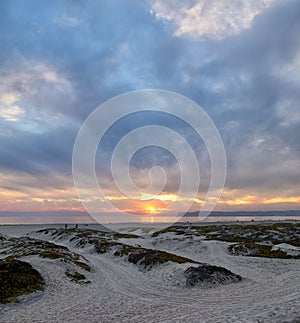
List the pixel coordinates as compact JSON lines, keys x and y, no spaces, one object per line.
{"x":247,"y":199}
{"x":151,"y":209}
{"x":65,"y":199}
{"x":291,"y":199}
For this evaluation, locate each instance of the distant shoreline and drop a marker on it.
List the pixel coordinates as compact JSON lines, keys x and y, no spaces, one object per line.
{"x":247,"y":213}
{"x":186,"y":221}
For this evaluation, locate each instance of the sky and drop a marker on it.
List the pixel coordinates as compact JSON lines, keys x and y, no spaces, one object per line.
{"x":59,"y":60}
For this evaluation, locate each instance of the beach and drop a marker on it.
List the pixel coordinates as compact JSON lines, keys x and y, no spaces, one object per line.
{"x":115,"y":290}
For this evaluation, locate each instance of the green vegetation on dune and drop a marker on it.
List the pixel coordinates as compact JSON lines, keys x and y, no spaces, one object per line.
{"x":274,"y":233}
{"x":138,"y":255}
{"x":257,"y":239}
{"x":25,"y":246}
{"x":175,"y":229}
{"x":147,"y":258}
{"x":52,"y":254}
{"x":87,"y":233}
{"x":187,"y":230}
{"x":82,"y":265}
{"x":18,"y":278}
{"x":76,"y":276}
{"x":104,"y":242}
{"x":258,"y":250}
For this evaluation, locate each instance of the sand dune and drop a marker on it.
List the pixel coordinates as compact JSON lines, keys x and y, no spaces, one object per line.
{"x":120,"y":291}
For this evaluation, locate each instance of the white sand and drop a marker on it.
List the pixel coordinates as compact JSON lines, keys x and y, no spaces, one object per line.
{"x":119,"y":292}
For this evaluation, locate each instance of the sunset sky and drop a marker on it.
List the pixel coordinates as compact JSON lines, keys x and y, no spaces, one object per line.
{"x":239,"y":60}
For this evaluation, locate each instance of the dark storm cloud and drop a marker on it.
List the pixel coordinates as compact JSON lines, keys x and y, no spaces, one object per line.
{"x":38,"y":154}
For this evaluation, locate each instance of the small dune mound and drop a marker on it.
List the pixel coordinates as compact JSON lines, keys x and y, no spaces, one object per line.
{"x":147,"y":258}
{"x":267,"y":251}
{"x":206,"y":274}
{"x":18,"y":278}
{"x":25,"y":246}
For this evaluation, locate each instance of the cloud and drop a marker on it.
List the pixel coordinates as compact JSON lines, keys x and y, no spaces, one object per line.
{"x":11,"y":113}
{"x":8,"y":109}
{"x":238,"y":59}
{"x":35,"y":95}
{"x":215,"y":19}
